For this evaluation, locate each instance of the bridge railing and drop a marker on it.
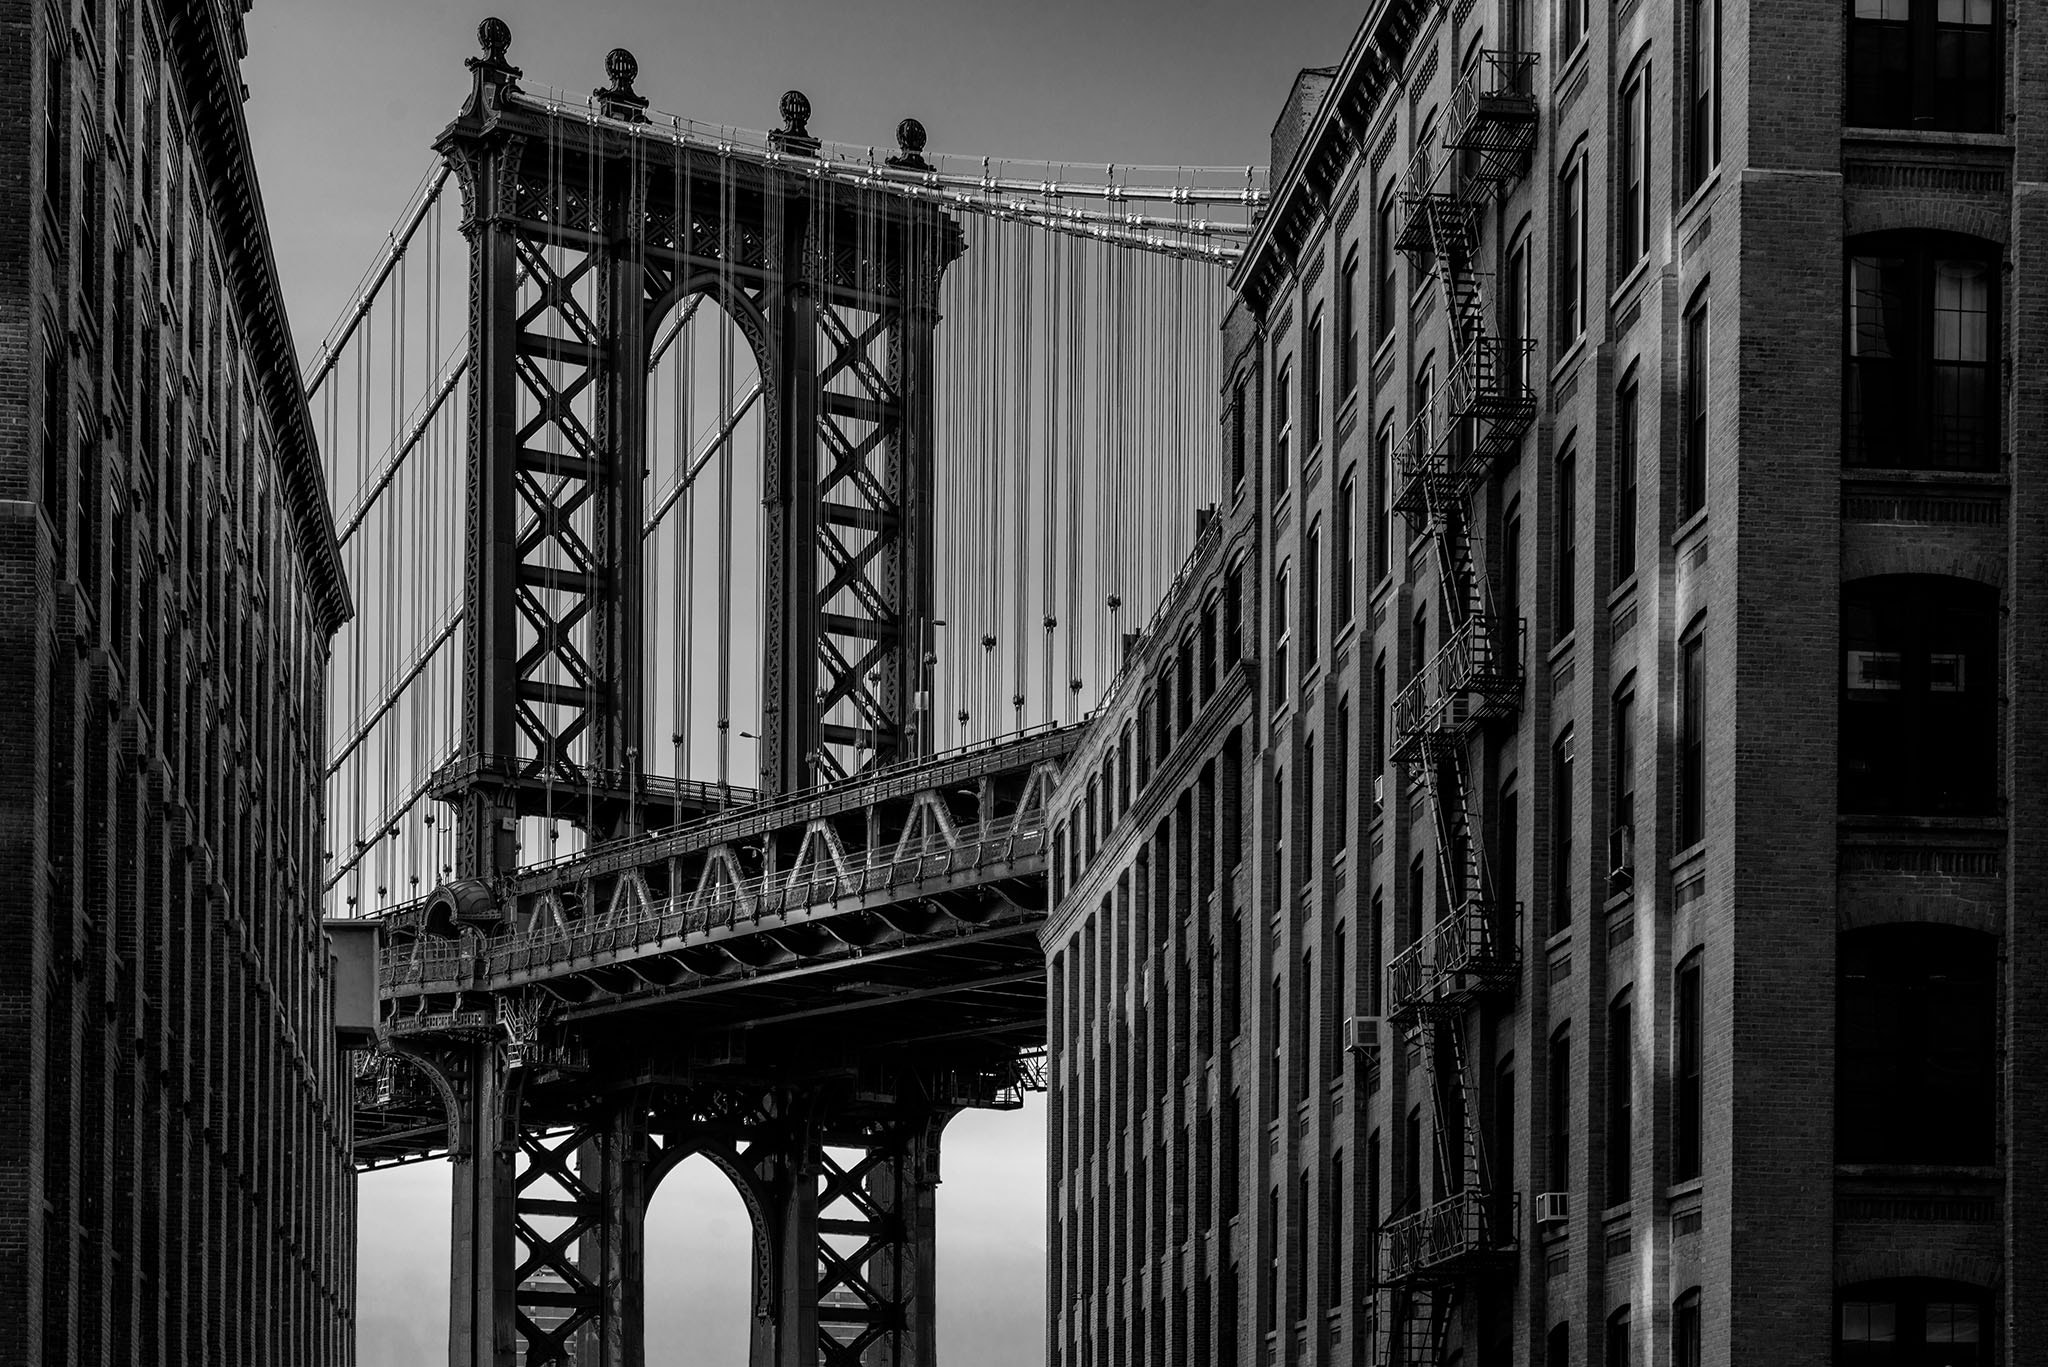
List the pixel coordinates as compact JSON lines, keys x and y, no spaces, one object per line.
{"x":678,"y":914}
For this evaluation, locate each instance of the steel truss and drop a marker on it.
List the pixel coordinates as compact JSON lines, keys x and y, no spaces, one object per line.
{"x":1429,"y":1257}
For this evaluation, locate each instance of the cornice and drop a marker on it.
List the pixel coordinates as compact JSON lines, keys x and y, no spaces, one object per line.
{"x":1303,"y":192}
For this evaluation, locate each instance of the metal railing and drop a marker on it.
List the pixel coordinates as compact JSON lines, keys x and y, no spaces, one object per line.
{"x":700,"y":911}
{"x":1465,"y":953}
{"x":1473,"y":676}
{"x":1437,"y":1238}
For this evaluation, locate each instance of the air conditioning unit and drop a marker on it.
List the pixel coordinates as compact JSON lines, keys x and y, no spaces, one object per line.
{"x":1553,"y":1207}
{"x":1379,"y":791}
{"x":1362,"y":1035}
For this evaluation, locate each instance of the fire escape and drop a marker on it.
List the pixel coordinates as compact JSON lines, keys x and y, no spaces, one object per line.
{"x":1431,"y":1254}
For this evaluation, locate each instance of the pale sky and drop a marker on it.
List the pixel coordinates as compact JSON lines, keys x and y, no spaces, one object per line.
{"x":345,"y":99}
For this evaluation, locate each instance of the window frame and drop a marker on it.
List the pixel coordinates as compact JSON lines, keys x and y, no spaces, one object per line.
{"x":1347,"y":324}
{"x":1702,"y":106}
{"x":1688,"y":1068}
{"x":1632,"y":138}
{"x":1565,"y":582}
{"x":1690,"y":799}
{"x":1695,"y":461}
{"x":1924,"y":253}
{"x":1922,"y":85}
{"x":1627,"y":475}
{"x":1563,"y":782}
{"x":1621,"y":1076}
{"x":1571,"y":251}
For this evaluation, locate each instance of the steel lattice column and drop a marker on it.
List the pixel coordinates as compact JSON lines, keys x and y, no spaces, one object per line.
{"x":482,"y":1272}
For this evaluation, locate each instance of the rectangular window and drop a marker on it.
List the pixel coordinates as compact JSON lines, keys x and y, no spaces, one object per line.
{"x":1517,"y":317}
{"x":1239,"y":393}
{"x":1561,"y":831}
{"x":1693,"y":477}
{"x":1627,"y":418}
{"x":1617,"y":1338}
{"x":1925,"y":64}
{"x":1633,"y":239}
{"x":1621,"y":1085}
{"x":1423,"y":417}
{"x":1283,"y":393}
{"x":1386,"y":300}
{"x":1922,"y":357}
{"x":1382,"y":502}
{"x":1338,"y":1196}
{"x":1411,"y":1164}
{"x":1571,"y":27}
{"x":1280,"y":624}
{"x":1504,"y":1143}
{"x":1344,"y":565}
{"x":1311,"y":595}
{"x":1340,"y":793}
{"x":1511,"y":565}
{"x":1703,"y":90}
{"x":1621,"y":857}
{"x":1347,"y":325}
{"x":1508,"y":887}
{"x":53,"y":122}
{"x":1688,"y":1103}
{"x":1571,"y":254}
{"x":1312,"y":385}
{"x":1692,"y":704}
{"x":1340,"y":998}
{"x":1560,"y":1127}
{"x":1567,"y":544}
{"x":1380,"y":705}
{"x":1305,"y":1025}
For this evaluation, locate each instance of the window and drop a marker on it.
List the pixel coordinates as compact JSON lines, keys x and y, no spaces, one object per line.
{"x":1340,"y":792}
{"x":1381,"y":703}
{"x":1702,"y":91}
{"x":1239,"y":394}
{"x":1423,"y":414}
{"x":1561,"y":831}
{"x":1344,"y":567}
{"x":1919,"y":730}
{"x":1617,"y":1338}
{"x":1382,"y":502}
{"x":1693,"y":472}
{"x":1340,"y":994}
{"x":1627,"y":434}
{"x":1571,"y":27}
{"x":1280,"y":623}
{"x":1692,"y":742}
{"x":1557,"y":1348}
{"x":1621,"y":1096}
{"x":1386,"y":300}
{"x":1511,"y":562}
{"x":1411,"y":924}
{"x":1283,"y":389}
{"x":1925,"y":64}
{"x":1504,"y":1143}
{"x":1509,"y":863}
{"x":1916,"y":1038}
{"x":1312,"y":385}
{"x":1378,"y":930}
{"x":1560,"y":1148}
{"x":1923,"y":350}
{"x":1304,"y":1026}
{"x":1685,"y":1330}
{"x":1422,"y":167}
{"x":1411,"y":1164}
{"x":1571,"y":254}
{"x":53,"y":121}
{"x":1418,"y":635}
{"x":1621,"y":805}
{"x":1567,"y":543}
{"x":1922,"y":1322}
{"x":1688,"y":1103}
{"x":1632,"y":238}
{"x":54,"y":424}
{"x":1311,"y":594}
{"x":1517,"y":316}
{"x":1310,"y":813}
{"x":1347,"y":325}
{"x":1334,"y":1292}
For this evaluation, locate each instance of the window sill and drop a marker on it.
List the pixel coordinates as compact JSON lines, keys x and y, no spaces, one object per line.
{"x":1695,"y":200}
{"x":1617,"y":1213}
{"x":1561,"y":647}
{"x":1886,"y":822}
{"x":1691,"y":1186}
{"x":1692,"y":525}
{"x":1682,"y":862}
{"x":1569,"y":358}
{"x":1559,"y":939}
{"x":1637,"y":274}
{"x":1623,"y":591}
{"x":1929,"y":137}
{"x":1568,"y":69}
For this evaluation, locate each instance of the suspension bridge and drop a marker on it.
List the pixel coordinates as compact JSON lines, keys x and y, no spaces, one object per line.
{"x":747,"y":525}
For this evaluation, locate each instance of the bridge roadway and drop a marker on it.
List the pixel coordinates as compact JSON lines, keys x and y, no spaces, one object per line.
{"x":815,"y":935}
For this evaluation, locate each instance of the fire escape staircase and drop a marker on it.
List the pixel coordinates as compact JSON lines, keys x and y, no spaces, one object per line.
{"x":1487,"y":402}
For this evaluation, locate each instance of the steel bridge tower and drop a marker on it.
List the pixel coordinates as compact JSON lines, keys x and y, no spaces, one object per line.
{"x":584,"y":235}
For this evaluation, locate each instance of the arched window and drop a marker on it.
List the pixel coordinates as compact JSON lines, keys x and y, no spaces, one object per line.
{"x":1916,"y":1038}
{"x":1685,"y":1330}
{"x":1617,"y":1338}
{"x":1922,"y":332}
{"x":1919,"y":731}
{"x":1912,"y":1323}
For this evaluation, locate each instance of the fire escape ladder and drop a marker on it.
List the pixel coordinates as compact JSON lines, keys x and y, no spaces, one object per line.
{"x":1412,"y":1326}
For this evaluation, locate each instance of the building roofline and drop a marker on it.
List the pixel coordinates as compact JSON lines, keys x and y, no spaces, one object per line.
{"x":209,"y":77}
{"x":1301,"y":191}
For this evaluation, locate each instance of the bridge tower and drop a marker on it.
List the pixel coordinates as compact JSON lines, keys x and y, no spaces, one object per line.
{"x":585,"y":233}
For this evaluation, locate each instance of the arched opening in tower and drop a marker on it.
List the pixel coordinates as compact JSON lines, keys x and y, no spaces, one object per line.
{"x":700,"y":1269}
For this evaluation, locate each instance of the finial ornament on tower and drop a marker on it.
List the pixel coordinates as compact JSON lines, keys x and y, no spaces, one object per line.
{"x":618,"y":101}
{"x":795,"y":134}
{"x":495,"y":77}
{"x":910,"y":138}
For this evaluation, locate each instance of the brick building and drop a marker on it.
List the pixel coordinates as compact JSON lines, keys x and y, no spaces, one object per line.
{"x":1579,"y":918}
{"x":174,"y":1177}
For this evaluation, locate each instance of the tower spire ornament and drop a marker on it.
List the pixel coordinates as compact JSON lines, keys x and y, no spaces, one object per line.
{"x":619,"y":100}
{"x":795,"y":134}
{"x":495,"y":76}
{"x":910,"y":139}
